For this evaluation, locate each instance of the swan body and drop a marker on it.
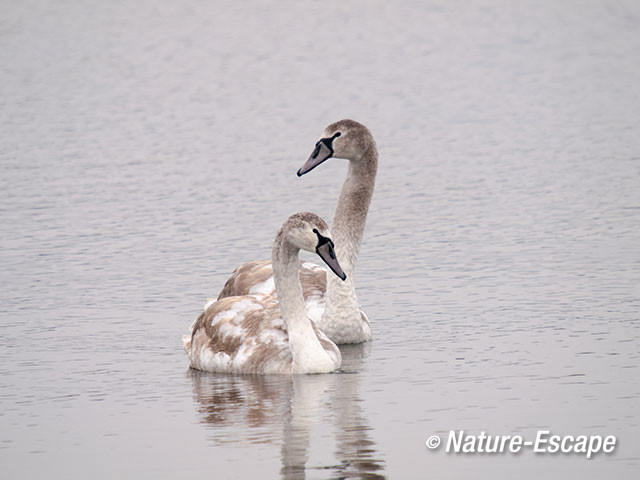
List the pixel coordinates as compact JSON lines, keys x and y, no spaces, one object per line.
{"x":261,"y":334}
{"x":330,"y":303}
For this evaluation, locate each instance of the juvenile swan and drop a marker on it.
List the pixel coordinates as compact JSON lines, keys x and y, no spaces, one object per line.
{"x":330,"y":303}
{"x":261,"y":334}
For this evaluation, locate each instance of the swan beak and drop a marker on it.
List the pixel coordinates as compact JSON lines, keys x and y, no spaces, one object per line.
{"x":322,"y":152}
{"x":326,"y":252}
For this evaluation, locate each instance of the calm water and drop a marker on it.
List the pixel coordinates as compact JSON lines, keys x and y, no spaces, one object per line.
{"x":149,"y":148}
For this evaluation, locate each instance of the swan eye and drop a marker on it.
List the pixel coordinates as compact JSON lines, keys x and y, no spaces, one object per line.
{"x":337,"y":134}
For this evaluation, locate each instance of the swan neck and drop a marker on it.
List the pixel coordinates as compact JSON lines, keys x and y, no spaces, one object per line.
{"x":307,"y":354}
{"x":287,"y":282}
{"x":341,"y":317}
{"x":350,"y":216}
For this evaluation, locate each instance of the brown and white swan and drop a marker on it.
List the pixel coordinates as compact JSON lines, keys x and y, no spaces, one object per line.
{"x":330,"y":303}
{"x":261,"y":334}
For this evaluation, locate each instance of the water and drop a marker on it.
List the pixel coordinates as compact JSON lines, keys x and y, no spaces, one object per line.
{"x":150,"y":148}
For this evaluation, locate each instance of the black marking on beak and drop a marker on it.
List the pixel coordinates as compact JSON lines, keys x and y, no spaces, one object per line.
{"x":328,"y":142}
{"x":323,"y":151}
{"x":326,"y":251}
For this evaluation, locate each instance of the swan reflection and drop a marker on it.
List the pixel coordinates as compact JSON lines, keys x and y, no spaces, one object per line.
{"x":273,"y":409}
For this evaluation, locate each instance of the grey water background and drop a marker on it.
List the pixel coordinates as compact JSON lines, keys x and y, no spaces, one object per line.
{"x":149,"y":148}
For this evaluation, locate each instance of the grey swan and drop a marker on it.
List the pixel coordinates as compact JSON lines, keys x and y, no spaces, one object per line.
{"x":330,"y":303}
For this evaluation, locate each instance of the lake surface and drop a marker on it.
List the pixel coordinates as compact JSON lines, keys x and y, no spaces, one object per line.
{"x":149,"y":148}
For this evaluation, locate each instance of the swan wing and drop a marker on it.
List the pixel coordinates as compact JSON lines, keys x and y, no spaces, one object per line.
{"x":252,"y":277}
{"x":242,"y":334}
{"x":256,"y":278}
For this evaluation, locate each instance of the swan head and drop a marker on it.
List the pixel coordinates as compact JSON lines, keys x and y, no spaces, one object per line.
{"x":309,"y":232}
{"x":344,"y":139}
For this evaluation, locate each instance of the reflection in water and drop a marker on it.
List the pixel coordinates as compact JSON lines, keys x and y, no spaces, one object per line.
{"x":260,"y":403}
{"x":355,"y":449}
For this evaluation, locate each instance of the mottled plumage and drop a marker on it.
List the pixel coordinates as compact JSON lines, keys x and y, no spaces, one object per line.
{"x":257,"y":277}
{"x":244,"y":334}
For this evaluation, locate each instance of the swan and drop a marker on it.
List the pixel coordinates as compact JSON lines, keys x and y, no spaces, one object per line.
{"x":259,"y":334}
{"x":330,"y":303}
